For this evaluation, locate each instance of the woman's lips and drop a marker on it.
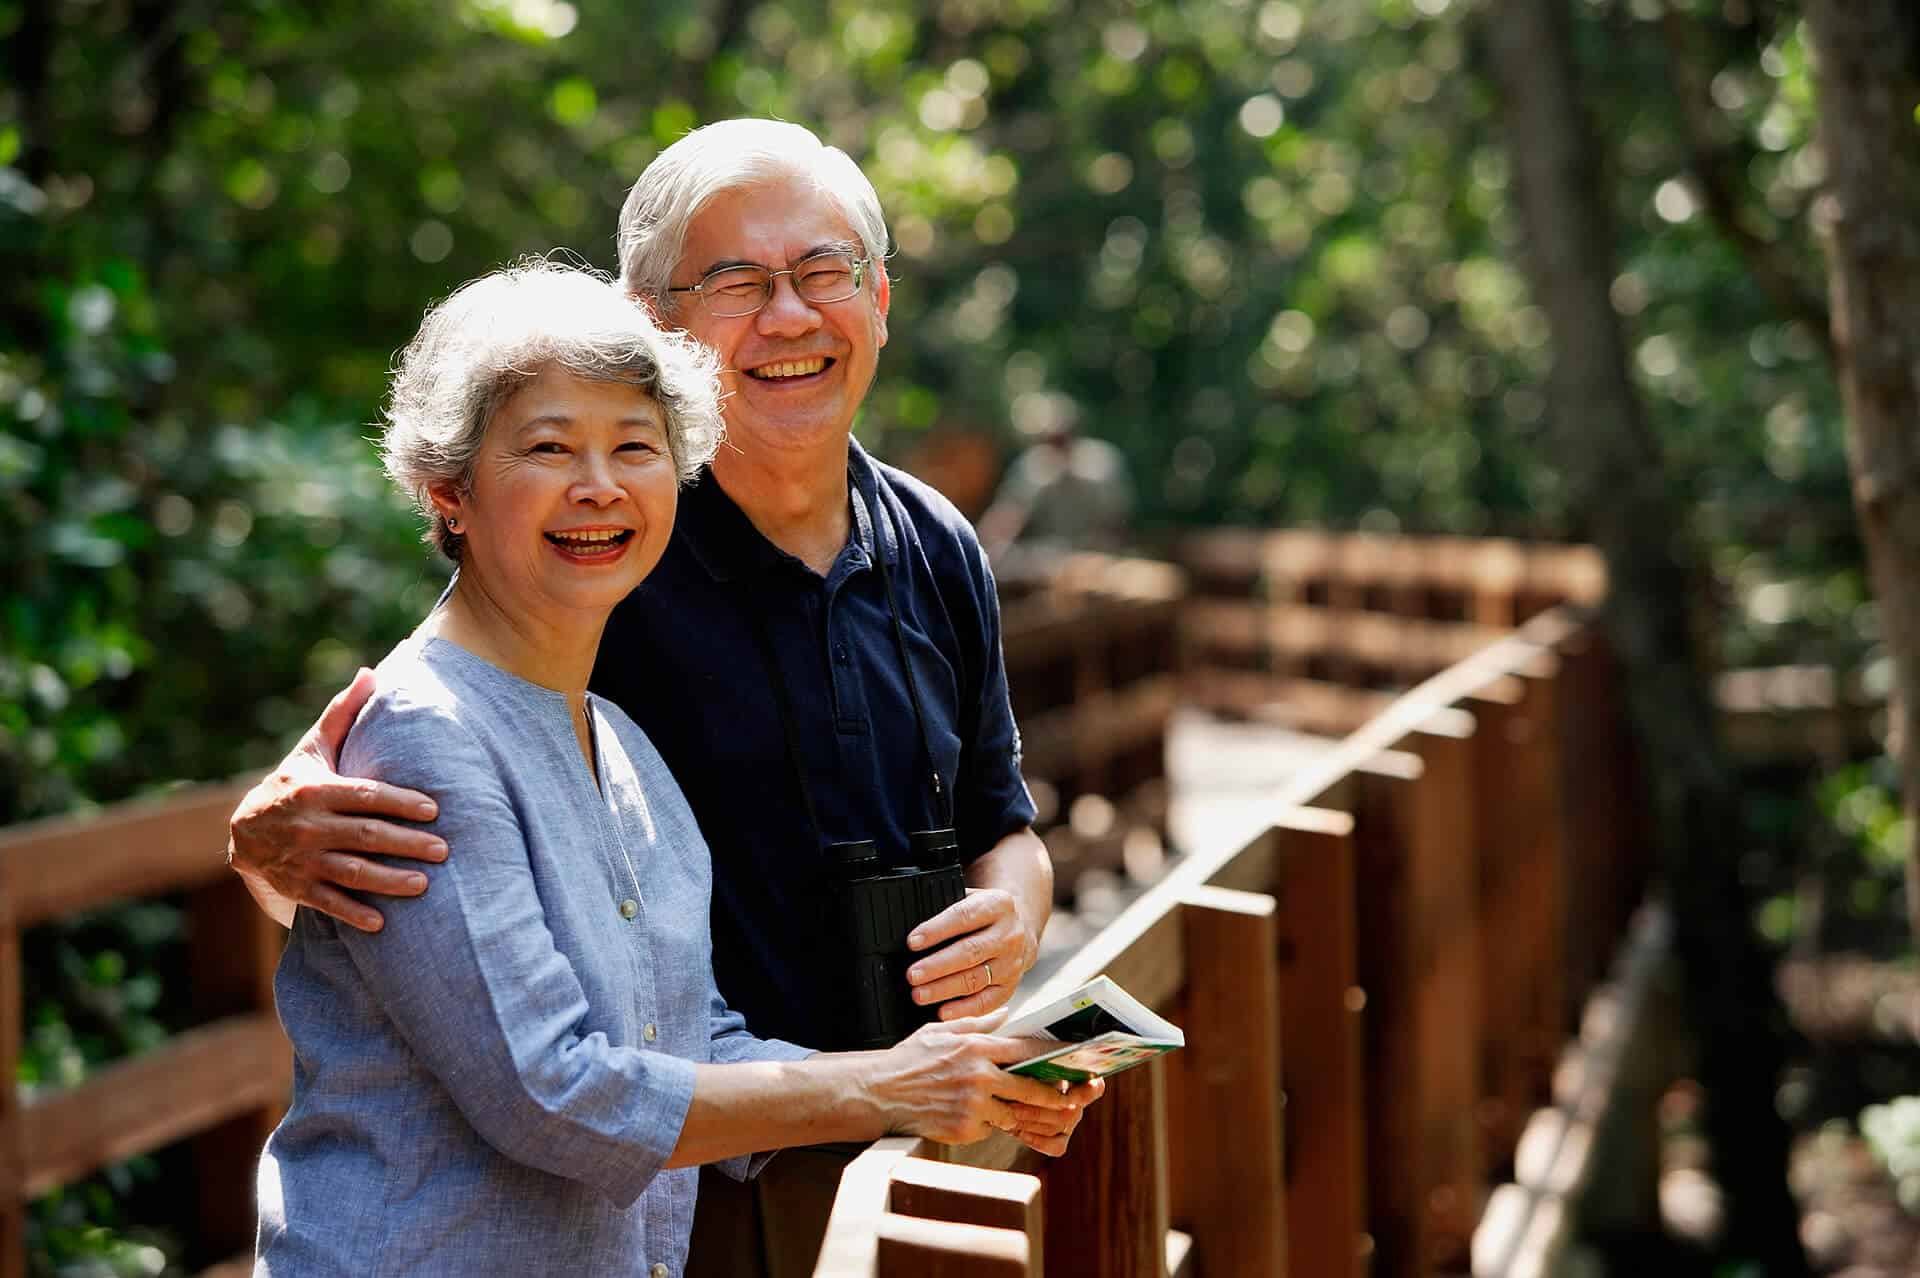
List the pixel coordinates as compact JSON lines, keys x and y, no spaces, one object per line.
{"x":596,"y":546}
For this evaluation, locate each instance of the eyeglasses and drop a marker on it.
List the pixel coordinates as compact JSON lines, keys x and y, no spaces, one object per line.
{"x":731,"y":291}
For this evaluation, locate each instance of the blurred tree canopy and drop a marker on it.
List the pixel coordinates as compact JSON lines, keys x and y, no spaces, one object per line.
{"x":1264,"y":244}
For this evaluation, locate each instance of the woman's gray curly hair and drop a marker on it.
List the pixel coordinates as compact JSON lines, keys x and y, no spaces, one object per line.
{"x":493,"y":335}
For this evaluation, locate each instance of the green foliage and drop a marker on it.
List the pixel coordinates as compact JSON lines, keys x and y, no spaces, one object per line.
{"x":1264,"y":244}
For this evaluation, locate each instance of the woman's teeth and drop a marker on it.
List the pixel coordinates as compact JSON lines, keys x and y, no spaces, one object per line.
{"x":587,"y":541}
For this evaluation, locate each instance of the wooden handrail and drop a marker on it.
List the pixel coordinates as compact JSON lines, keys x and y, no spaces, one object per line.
{"x":138,"y":849}
{"x":1407,"y":781}
{"x":223,"y":1084}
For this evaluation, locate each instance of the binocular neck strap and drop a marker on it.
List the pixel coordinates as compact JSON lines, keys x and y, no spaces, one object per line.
{"x":942,"y":800}
{"x":768,"y":658}
{"x":757,"y":619}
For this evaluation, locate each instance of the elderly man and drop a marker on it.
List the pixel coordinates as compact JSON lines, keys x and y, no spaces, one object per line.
{"x":818,"y":661}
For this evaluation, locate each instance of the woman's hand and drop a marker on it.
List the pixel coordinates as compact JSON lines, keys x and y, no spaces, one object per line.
{"x":945,"y":1082}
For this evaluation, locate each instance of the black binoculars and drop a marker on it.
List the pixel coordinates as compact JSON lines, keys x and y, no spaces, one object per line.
{"x":881,"y":899}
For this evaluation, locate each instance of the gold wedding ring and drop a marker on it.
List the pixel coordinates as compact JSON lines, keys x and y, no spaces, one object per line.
{"x":989,"y":968}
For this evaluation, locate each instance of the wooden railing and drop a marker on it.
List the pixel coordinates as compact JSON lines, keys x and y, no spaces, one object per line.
{"x":1376,"y":982}
{"x":1319,"y":630}
{"x":222,"y":1084}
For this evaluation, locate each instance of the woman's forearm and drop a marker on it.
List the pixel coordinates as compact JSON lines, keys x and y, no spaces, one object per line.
{"x":944,"y":1082}
{"x":758,"y":1105}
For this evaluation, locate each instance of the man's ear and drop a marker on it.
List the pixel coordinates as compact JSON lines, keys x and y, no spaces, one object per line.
{"x":882,"y":298}
{"x":647,"y":303}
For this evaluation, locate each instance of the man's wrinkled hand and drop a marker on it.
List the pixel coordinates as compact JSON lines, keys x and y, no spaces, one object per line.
{"x":981,"y":947}
{"x":302,"y":836}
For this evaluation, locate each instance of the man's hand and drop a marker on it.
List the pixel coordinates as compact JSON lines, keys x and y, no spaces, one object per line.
{"x":294,"y":836}
{"x":992,"y":936}
{"x":976,"y":973}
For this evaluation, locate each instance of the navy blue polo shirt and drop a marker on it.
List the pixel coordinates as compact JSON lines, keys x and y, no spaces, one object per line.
{"x":681,"y":657}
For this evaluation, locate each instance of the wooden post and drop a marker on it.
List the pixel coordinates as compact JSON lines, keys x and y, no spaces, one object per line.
{"x":969,"y":1196}
{"x":1517,"y":814}
{"x":1226,"y":1148}
{"x":1107,"y":1195}
{"x":910,"y":1247}
{"x":233,"y":950}
{"x":13,"y":1169}
{"x":1418,"y":907}
{"x":1606,"y":851}
{"x":1322,"y":1067}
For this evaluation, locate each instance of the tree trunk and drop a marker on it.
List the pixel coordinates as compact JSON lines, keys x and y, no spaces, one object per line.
{"x":1868,"y":73}
{"x":1620,"y":491}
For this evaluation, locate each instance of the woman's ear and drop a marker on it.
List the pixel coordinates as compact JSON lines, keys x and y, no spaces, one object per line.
{"x":448,"y":505}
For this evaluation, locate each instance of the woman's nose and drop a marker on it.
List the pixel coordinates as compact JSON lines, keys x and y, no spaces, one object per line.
{"x":593,"y":481}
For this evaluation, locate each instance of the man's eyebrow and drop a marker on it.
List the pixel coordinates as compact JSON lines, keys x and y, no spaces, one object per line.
{"x":827,"y":246}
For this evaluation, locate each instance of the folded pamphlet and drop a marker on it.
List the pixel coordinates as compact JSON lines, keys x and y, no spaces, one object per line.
{"x":1100,"y":1028}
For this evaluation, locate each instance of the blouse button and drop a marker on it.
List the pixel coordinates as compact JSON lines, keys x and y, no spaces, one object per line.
{"x":629,"y":908}
{"x":658,"y":1271}
{"x":651,"y":1032}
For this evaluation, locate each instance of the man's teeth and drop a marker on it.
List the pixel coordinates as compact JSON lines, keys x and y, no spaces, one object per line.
{"x":789,"y":368}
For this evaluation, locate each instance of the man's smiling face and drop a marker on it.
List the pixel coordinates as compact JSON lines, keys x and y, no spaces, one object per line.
{"x":795,"y":371}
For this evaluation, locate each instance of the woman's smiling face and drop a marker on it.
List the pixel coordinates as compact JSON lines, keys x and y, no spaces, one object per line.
{"x":571,"y":501}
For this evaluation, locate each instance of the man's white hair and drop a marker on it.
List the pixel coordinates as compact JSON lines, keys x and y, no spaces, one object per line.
{"x":723,"y":157}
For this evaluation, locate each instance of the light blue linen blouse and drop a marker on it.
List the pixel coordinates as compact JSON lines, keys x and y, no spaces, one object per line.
{"x":492,"y":1083}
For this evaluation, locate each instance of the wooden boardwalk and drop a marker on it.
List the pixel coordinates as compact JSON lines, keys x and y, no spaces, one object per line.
{"x":1386,"y":942}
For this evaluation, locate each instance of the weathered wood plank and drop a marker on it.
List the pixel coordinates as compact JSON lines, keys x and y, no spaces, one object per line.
{"x":912,"y":1247}
{"x":1228,"y":1193}
{"x":233,"y":951}
{"x":1322,"y":1065}
{"x":969,"y":1196}
{"x":203,"y":1077}
{"x":1418,"y":903}
{"x":851,"y":1245}
{"x":136,"y":849}
{"x":1107,"y":1195}
{"x":1518,"y":807}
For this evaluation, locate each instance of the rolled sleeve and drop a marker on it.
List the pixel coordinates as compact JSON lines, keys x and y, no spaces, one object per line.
{"x":474,"y":983}
{"x":730,"y":1043}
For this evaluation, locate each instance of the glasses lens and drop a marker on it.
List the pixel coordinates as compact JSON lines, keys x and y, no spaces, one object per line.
{"x":740,"y":290}
{"x":827,"y":277}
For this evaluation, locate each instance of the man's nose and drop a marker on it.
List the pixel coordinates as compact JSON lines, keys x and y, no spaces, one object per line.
{"x":787,"y":314}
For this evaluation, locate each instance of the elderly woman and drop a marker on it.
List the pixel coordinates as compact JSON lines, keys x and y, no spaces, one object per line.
{"x":521,"y":1073}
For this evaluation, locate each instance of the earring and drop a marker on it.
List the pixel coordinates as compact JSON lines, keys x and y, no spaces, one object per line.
{"x":453,"y":526}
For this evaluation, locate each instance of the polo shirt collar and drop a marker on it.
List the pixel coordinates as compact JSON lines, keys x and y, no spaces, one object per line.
{"x":724,"y":541}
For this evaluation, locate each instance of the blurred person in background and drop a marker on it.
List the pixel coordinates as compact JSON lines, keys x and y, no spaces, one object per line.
{"x":521,"y":1072}
{"x":816,"y":658}
{"x":1064,"y":491}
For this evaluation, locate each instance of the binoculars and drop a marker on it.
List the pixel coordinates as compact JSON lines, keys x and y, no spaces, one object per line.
{"x":880,"y":900}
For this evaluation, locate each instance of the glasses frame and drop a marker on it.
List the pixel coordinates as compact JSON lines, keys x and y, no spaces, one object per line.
{"x":860,"y":265}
